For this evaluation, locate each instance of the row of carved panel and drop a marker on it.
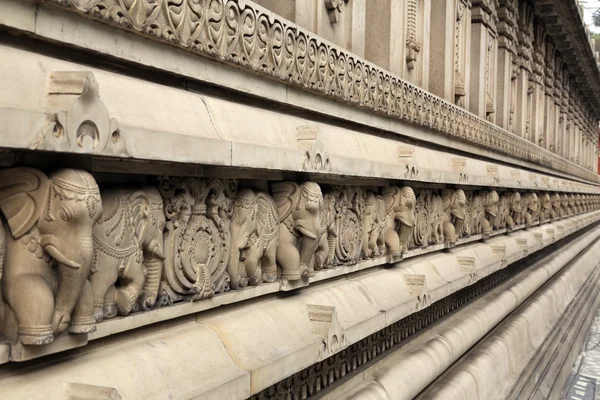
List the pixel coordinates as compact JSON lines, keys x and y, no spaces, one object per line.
{"x":75,"y":255}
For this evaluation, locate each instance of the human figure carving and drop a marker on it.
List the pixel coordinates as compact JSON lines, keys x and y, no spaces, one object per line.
{"x":49,"y":252}
{"x":299,"y":235}
{"x":128,"y":251}
{"x":254,"y":239}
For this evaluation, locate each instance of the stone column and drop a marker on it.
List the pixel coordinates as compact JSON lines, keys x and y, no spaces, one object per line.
{"x":524,"y":89}
{"x":397,"y":32}
{"x":507,"y":65}
{"x":484,"y":49}
{"x":449,"y":53}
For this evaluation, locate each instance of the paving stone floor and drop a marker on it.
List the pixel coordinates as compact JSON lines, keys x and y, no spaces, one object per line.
{"x":585,"y":375}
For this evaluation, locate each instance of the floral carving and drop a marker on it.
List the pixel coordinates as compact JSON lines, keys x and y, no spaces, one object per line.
{"x":197,"y":237}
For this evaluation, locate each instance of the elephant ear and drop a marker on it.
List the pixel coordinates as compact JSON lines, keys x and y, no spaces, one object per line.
{"x":141,"y":213}
{"x":23,"y":192}
{"x":286,"y":196}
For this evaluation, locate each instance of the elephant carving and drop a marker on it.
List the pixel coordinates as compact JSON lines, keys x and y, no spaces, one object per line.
{"x":455,"y":202}
{"x":491,"y":201}
{"x":49,"y":253}
{"x":546,"y":207}
{"x":254,"y":239}
{"x":572,"y":209}
{"x":532,"y":208}
{"x":325,"y":253}
{"x":128,"y":252}
{"x":400,"y":205}
{"x":510,"y":210}
{"x":556,"y":212}
{"x":298,"y":206}
{"x":577,"y":203}
{"x":374,"y":217}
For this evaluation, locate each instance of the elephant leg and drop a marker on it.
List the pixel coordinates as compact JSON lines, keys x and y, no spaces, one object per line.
{"x":510,"y":223}
{"x":101,"y":281}
{"x":307,"y":255}
{"x":83,"y":319}
{"x":392,"y":240}
{"x":30,"y":299}
{"x":321,"y":253}
{"x":251,"y":264}
{"x":110,"y":304}
{"x":269,"y":262}
{"x":366,"y":243}
{"x":449,"y":232}
{"x":129,"y":287}
{"x":380,"y":242}
{"x":288,"y":256}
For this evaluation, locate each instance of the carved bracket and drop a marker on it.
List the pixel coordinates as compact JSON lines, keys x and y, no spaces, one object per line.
{"x":326,"y":324}
{"x":79,"y":120}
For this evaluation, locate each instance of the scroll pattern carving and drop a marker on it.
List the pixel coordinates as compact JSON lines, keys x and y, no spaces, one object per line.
{"x":185,"y":239}
{"x":240,"y":33}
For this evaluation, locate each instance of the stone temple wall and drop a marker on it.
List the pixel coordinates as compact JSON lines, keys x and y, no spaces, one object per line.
{"x":230,"y":199}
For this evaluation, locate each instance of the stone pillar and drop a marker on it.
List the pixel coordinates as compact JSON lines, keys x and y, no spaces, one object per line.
{"x":484,"y":50}
{"x":524,"y":89}
{"x":397,"y":31}
{"x":507,"y":65}
{"x":539,"y":106}
{"x":449,"y":53}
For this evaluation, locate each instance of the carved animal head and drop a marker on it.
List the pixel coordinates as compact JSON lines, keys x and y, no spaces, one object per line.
{"x":491,"y":203}
{"x":455,"y":203}
{"x":556,"y":201}
{"x":515,"y":204}
{"x":546,"y":202}
{"x":64,"y":207}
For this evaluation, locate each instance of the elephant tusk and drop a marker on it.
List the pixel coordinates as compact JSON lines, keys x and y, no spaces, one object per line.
{"x":60,"y":258}
{"x":306,"y":233}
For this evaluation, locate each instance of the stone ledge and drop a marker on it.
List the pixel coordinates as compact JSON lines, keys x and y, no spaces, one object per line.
{"x":211,"y":131}
{"x":496,"y":362}
{"x":258,"y":344}
{"x":58,"y":26}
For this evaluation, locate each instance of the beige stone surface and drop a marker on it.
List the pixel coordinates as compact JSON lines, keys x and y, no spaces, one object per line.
{"x":406,"y":372}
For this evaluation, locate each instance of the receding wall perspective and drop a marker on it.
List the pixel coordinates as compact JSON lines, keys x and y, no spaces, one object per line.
{"x":233,"y":199}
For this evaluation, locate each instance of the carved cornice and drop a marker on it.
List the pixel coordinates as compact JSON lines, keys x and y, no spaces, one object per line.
{"x":244,"y":34}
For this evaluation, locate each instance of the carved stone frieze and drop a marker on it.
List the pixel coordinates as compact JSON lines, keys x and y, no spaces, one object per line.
{"x":245,"y":35}
{"x":144,"y":247}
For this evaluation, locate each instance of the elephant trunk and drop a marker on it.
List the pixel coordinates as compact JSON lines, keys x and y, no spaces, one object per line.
{"x":235,"y":268}
{"x":310,"y":242}
{"x":153,"y":268}
{"x":74,"y":263}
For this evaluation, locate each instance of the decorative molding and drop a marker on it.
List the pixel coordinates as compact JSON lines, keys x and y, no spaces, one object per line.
{"x":246,"y":35}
